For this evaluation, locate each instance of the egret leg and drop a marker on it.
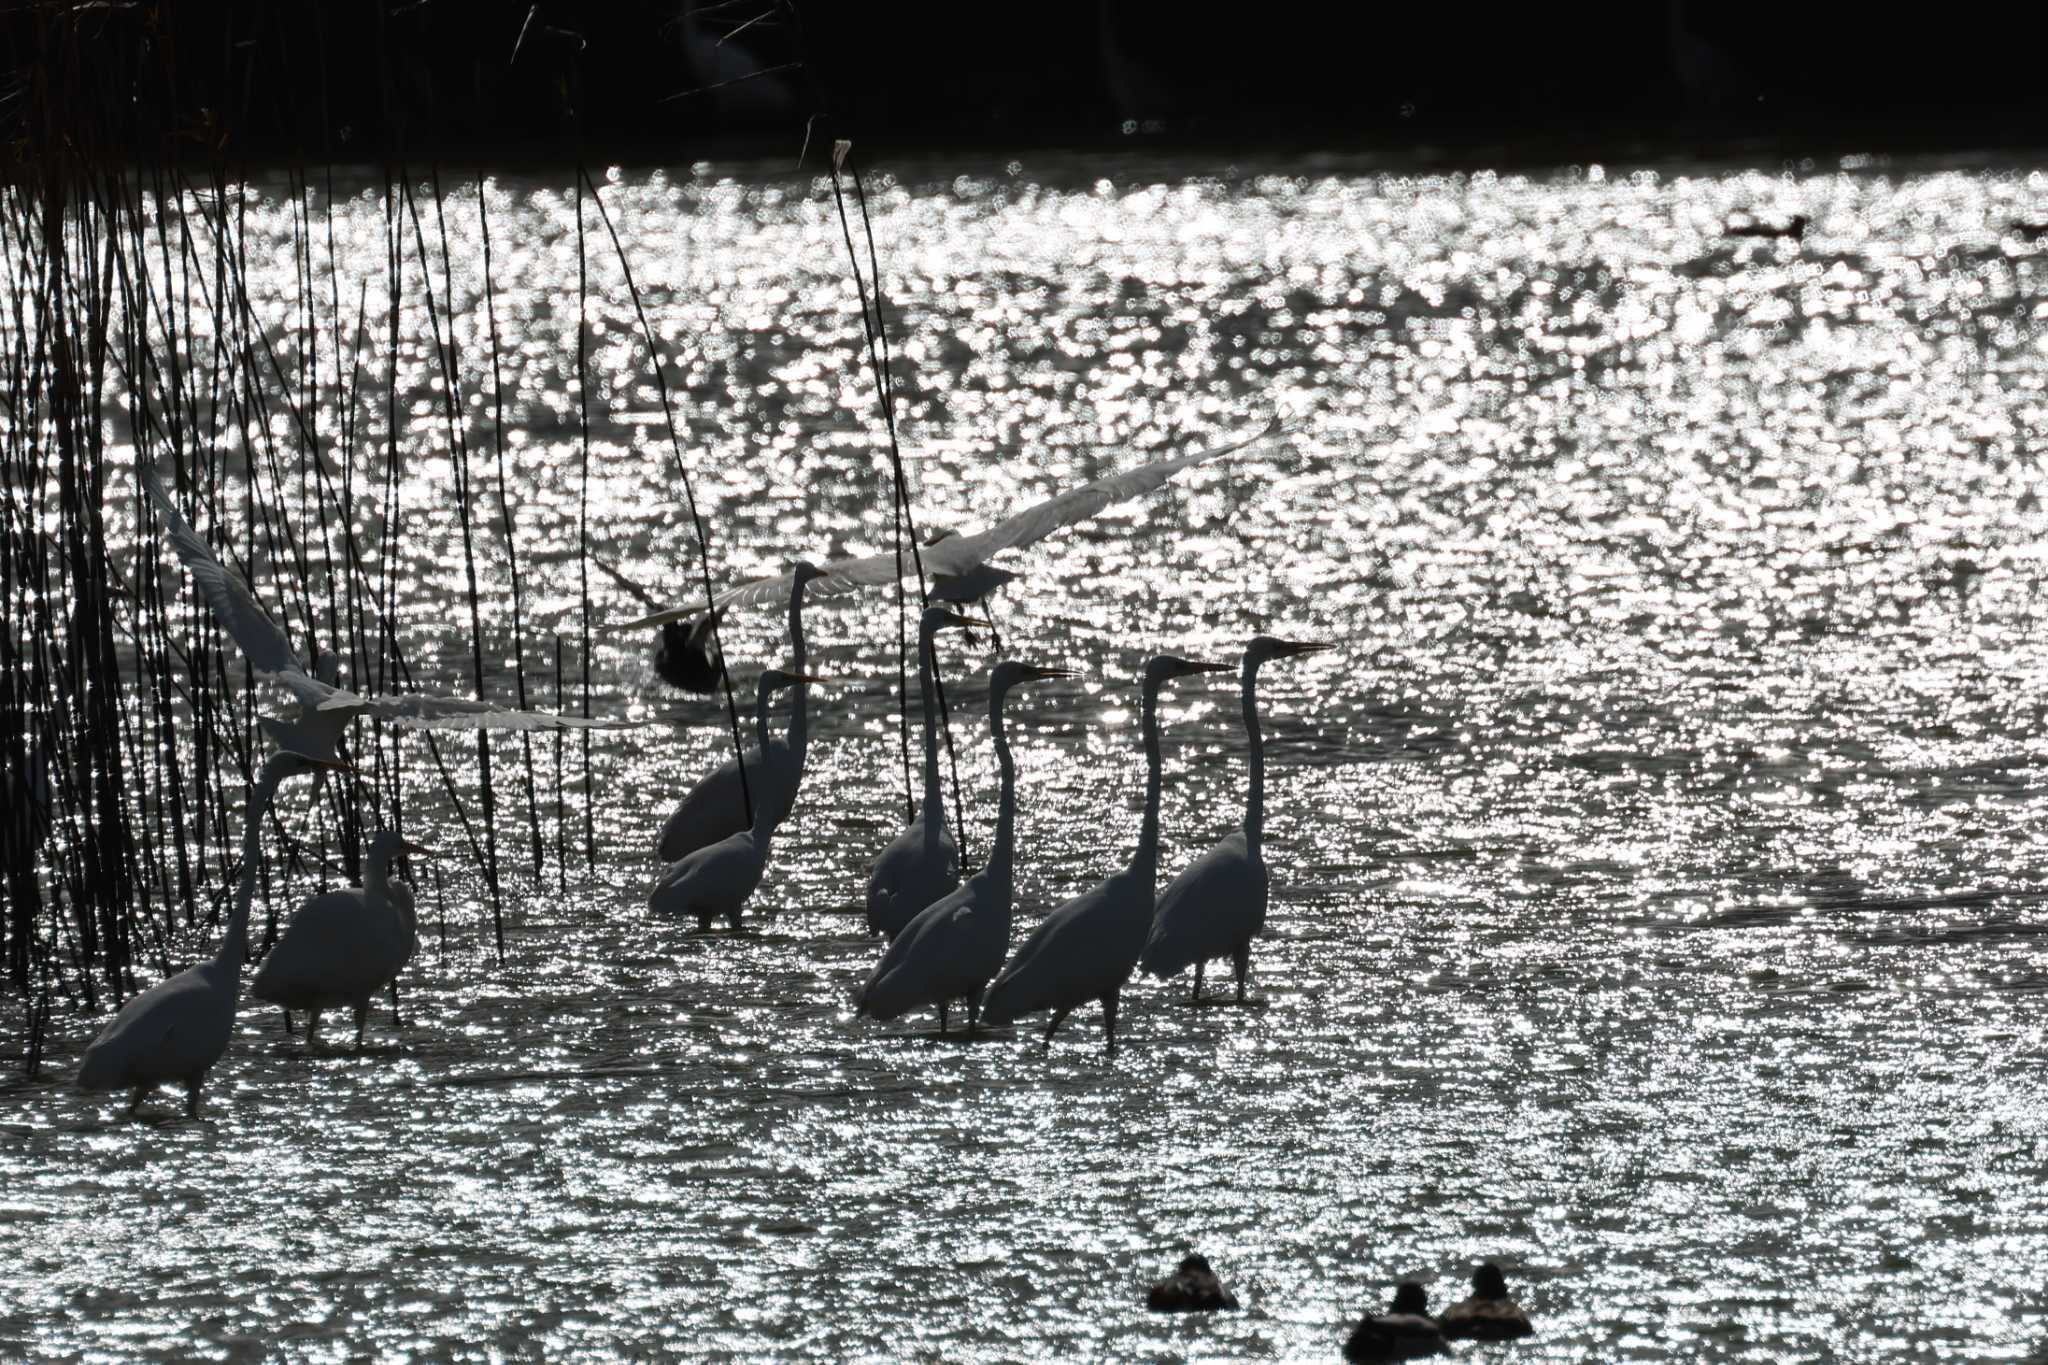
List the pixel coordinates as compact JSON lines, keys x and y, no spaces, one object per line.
{"x":942,"y":1018}
{"x":1058,"y":1017}
{"x":732,"y":921}
{"x":995,"y":637}
{"x":135,"y":1100}
{"x":397,"y":1020}
{"x":1196,"y":997}
{"x":287,"y":1022}
{"x":703,"y":924}
{"x":973,"y":1013}
{"x":1241,"y":962}
{"x":362,"y":1019}
{"x":192,"y":1095}
{"x":312,"y":1028}
{"x":1109,"y":1019}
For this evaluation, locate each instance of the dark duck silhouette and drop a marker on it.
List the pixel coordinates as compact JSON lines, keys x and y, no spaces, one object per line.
{"x":1748,"y":225}
{"x":1404,"y":1332}
{"x":1489,"y":1315}
{"x":1193,"y":1288}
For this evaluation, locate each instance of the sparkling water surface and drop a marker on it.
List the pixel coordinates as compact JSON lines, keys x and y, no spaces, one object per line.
{"x":1657,"y":858}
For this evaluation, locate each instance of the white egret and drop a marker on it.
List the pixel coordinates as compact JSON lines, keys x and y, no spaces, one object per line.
{"x":956,"y":556}
{"x":1087,"y":948}
{"x":717,"y":880}
{"x":324,"y":709}
{"x":922,"y":863}
{"x":688,"y":656}
{"x":177,"y":1029}
{"x":1404,"y":1332}
{"x":1489,"y":1314}
{"x":342,"y":947}
{"x":1217,"y":905}
{"x":715,"y":808}
{"x":954,"y":946}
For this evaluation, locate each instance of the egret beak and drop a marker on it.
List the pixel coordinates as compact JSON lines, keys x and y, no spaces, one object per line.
{"x":421,"y":849}
{"x":1290,"y":648}
{"x":1205,"y":666}
{"x":1033,"y":673}
{"x":809,"y":678}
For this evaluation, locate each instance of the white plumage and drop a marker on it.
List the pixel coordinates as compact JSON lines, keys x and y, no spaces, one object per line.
{"x":1087,"y":948}
{"x":717,"y":880}
{"x":716,"y":808}
{"x":177,"y":1029}
{"x":958,"y":556}
{"x":342,"y":947}
{"x":325,"y":709}
{"x":922,"y":863}
{"x":1217,"y":905}
{"x":951,"y":948}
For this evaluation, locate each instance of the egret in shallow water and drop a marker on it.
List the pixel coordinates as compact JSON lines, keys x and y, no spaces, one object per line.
{"x":952,"y":947}
{"x":177,"y":1029}
{"x":716,"y":808}
{"x":1192,"y":1288}
{"x":342,"y":947}
{"x":922,"y":863}
{"x":717,"y":880}
{"x":1217,"y":905}
{"x":1087,"y":948}
{"x":325,"y":708}
{"x":958,"y":556}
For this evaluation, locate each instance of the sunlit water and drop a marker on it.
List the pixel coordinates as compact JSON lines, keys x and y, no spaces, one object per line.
{"x":1656,"y":861}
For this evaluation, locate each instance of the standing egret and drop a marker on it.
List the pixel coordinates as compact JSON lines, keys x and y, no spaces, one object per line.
{"x":341,"y":948}
{"x":1087,"y":948}
{"x":922,"y":863}
{"x":325,"y":709}
{"x":717,"y":879}
{"x":1217,"y":905}
{"x":715,"y":808}
{"x":177,"y":1029}
{"x":1489,"y":1314}
{"x":953,"y":946}
{"x":957,"y":556}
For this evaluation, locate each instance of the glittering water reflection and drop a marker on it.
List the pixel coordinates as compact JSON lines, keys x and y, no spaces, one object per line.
{"x":1656,"y":882}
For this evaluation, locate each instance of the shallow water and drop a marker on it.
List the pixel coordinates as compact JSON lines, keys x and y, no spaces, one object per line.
{"x":1657,"y":862}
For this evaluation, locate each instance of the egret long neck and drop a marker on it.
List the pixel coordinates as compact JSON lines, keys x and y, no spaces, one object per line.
{"x":934,"y":809}
{"x":377,"y":876}
{"x":764,"y":819}
{"x":1006,"y":807}
{"x":799,"y":715}
{"x":1145,"y":861}
{"x":234,"y":949}
{"x":1255,"y":796}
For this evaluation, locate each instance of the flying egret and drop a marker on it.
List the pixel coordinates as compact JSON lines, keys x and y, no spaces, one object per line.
{"x":922,"y":863}
{"x":715,"y":809}
{"x":1217,"y":905}
{"x":953,"y":946}
{"x":1489,"y":1315}
{"x":1404,"y":1332}
{"x":341,"y":948}
{"x":957,"y":556}
{"x":177,"y":1029}
{"x":324,"y":709}
{"x":717,"y":879}
{"x":1087,"y":948}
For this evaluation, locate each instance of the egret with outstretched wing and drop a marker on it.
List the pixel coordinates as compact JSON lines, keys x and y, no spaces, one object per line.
{"x":325,"y":708}
{"x":958,"y":556}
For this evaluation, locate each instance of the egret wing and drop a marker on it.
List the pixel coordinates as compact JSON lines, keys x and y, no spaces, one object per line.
{"x":1035,"y":523}
{"x":420,"y":711}
{"x":239,"y":613}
